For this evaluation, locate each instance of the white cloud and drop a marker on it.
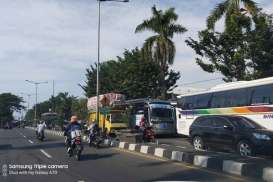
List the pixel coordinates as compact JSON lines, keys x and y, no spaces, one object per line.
{"x":57,"y":39}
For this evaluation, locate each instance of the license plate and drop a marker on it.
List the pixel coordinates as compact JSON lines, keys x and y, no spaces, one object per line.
{"x":163,"y":126}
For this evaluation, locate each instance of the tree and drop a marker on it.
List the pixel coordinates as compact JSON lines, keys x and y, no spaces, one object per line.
{"x":243,"y":51}
{"x":237,"y":55}
{"x":63,"y":106}
{"x":130,"y":75}
{"x":160,"y":48}
{"x":109,"y":71}
{"x":79,"y":108}
{"x":232,"y":9}
{"x":222,"y":52}
{"x":9,"y":103}
{"x":260,"y":47}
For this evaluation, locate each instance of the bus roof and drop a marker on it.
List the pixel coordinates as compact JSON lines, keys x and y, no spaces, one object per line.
{"x":140,"y":101}
{"x":232,"y":86}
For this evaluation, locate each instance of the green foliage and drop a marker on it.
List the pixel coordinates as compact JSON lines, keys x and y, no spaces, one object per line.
{"x":243,"y":51}
{"x":260,"y":47}
{"x":221,"y":52}
{"x":160,"y":48}
{"x":130,"y":75}
{"x":79,"y":108}
{"x":65,"y":106}
{"x":9,"y":103}
{"x":231,"y":9}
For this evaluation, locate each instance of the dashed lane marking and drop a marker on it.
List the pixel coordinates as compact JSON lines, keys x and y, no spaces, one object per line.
{"x":45,"y":153}
{"x":30,"y":141}
{"x":22,"y":134}
{"x":180,"y":147}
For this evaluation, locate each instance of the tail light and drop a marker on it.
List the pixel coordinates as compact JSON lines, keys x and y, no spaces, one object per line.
{"x":78,"y":140}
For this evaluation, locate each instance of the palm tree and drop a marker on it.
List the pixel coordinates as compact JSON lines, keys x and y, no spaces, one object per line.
{"x":160,"y":48}
{"x":231,"y":8}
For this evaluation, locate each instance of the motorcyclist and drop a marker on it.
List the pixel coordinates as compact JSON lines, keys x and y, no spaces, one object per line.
{"x":40,"y":128}
{"x":93,"y":129}
{"x":72,"y":126}
{"x":147,"y":130}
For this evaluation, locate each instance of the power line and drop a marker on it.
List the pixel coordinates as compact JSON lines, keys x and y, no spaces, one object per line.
{"x":202,"y":81}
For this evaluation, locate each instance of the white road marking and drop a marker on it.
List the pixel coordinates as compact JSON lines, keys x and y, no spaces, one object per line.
{"x":180,"y":147}
{"x":24,"y":136}
{"x":19,"y":132}
{"x":30,"y":141}
{"x":46,"y":154}
{"x":165,"y":144}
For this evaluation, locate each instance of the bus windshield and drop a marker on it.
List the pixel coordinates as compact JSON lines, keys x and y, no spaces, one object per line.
{"x":162,"y":113}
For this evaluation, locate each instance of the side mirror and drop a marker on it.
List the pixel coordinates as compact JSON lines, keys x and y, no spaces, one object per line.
{"x":228,"y":127}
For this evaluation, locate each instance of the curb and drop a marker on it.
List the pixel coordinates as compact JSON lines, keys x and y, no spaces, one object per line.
{"x":203,"y":161}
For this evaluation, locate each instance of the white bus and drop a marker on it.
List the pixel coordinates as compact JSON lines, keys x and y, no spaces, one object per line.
{"x":252,"y":99}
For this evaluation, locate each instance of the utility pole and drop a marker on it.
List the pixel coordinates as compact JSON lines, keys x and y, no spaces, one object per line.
{"x":36,"y":96}
{"x":98,"y":61}
{"x":28,"y":99}
{"x":53,"y":96}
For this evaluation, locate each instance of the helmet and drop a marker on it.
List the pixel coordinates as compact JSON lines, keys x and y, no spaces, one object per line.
{"x":74,"y":119}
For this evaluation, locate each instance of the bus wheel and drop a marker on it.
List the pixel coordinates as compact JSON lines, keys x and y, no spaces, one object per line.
{"x":198,"y":143}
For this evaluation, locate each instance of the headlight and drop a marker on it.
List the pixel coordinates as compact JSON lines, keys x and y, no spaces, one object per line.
{"x":261,"y":136}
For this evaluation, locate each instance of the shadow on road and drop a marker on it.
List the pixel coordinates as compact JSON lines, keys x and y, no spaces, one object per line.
{"x":5,"y":147}
{"x":86,"y":157}
{"x":170,"y":136}
{"x":186,"y":175}
{"x":38,"y":146}
{"x":152,"y":164}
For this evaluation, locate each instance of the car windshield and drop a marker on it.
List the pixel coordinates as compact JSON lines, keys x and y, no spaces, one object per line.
{"x":246,"y":123}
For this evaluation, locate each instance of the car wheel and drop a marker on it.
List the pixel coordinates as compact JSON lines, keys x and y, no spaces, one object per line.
{"x":198,"y":143}
{"x":244,"y":148}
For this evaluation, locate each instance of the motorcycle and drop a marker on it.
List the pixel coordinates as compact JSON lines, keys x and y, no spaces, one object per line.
{"x":94,"y":139}
{"x":40,"y":135}
{"x":149,"y":134}
{"x":76,"y":146}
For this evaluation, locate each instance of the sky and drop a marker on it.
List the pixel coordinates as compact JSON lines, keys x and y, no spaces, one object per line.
{"x":45,"y":40}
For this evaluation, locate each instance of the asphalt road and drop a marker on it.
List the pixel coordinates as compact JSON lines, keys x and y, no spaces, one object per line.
{"x":179,"y":142}
{"x":20,"y":147}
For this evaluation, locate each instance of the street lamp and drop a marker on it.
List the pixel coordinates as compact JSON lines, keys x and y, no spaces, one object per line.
{"x":98,"y":62}
{"x":23,"y":115}
{"x":36,"y":95}
{"x":28,"y":98}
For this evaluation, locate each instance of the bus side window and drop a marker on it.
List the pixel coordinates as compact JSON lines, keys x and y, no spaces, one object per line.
{"x":262,"y":95}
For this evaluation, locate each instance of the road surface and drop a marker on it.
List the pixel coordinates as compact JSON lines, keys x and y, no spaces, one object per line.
{"x":19,"y":149}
